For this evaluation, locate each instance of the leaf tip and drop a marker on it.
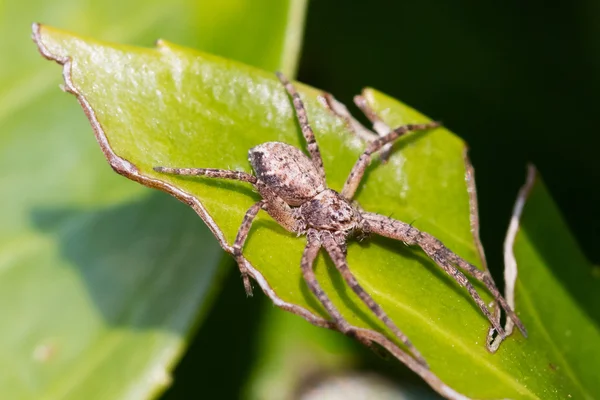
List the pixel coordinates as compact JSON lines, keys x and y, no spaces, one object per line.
{"x":35,"y":29}
{"x":36,"y":36}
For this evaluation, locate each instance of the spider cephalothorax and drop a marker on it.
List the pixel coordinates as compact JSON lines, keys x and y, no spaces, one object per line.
{"x":294,"y":192}
{"x":331,"y":212}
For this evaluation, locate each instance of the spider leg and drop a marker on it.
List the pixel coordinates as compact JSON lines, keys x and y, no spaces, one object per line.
{"x":488,"y":281}
{"x":340,"y":110}
{"x":358,"y":170}
{"x":275,"y":206}
{"x":309,"y":256}
{"x":445,"y":258}
{"x":209,"y":173}
{"x":307,"y":264}
{"x":240,"y":239}
{"x":379,"y":126}
{"x":313,"y":147}
{"x":339,"y":259}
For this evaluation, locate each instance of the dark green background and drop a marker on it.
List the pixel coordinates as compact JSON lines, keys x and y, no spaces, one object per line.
{"x":518,"y":81}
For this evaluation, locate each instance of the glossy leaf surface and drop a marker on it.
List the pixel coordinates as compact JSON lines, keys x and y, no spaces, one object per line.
{"x":172,"y":106}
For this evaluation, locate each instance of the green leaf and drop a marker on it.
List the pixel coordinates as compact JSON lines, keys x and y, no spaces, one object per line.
{"x":558,"y":292}
{"x":172,"y":106}
{"x":102,"y":281}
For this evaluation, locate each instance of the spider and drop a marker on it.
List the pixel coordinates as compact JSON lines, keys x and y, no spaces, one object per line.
{"x":295,"y":194}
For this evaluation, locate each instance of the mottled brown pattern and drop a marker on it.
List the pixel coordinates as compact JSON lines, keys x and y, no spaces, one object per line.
{"x":283,"y":168}
{"x":295,"y":194}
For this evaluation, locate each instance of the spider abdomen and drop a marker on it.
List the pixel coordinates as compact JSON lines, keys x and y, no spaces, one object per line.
{"x":287,"y":171}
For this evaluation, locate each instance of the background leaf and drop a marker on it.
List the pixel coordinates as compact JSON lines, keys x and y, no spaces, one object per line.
{"x":558,"y":292}
{"x":199,"y":110}
{"x":101,"y":281}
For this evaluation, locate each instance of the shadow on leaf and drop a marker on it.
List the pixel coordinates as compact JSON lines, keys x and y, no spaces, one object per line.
{"x":138,"y":260}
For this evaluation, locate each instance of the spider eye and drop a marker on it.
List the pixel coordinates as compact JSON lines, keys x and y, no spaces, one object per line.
{"x":343,"y":214}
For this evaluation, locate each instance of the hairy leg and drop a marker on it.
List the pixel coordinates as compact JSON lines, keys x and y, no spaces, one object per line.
{"x":307,"y":264}
{"x":379,"y":126}
{"x":339,"y":259}
{"x":274,"y":205}
{"x":309,"y":256}
{"x":240,"y":239}
{"x":313,"y":147}
{"x":209,"y":173}
{"x":446,"y":259}
{"x":342,"y":112}
{"x":364,"y":160}
{"x":489,"y":283}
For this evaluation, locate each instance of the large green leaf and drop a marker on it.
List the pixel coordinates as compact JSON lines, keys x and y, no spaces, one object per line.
{"x":172,"y":106}
{"x":101,"y":281}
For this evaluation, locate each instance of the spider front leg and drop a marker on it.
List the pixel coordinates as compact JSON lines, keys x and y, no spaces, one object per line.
{"x":445,"y":258}
{"x":209,"y":173}
{"x":379,"y":126}
{"x":340,"y":110}
{"x":339,"y":259}
{"x":248,"y":217}
{"x":358,"y":170}
{"x":307,"y":132}
{"x":274,"y":205}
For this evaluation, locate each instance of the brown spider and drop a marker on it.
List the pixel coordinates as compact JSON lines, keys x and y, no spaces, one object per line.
{"x":294,"y":193}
